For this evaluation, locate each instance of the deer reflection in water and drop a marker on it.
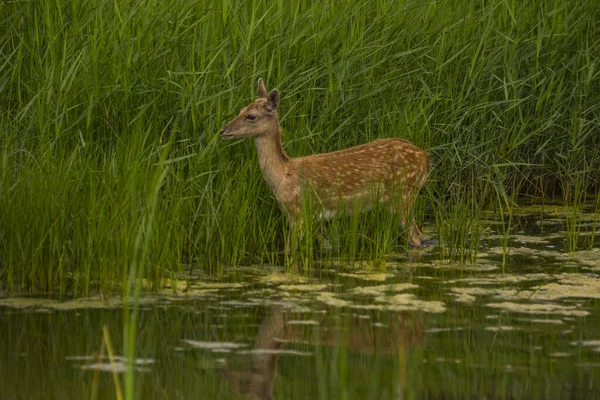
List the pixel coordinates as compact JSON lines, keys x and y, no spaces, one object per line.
{"x":360,"y":335}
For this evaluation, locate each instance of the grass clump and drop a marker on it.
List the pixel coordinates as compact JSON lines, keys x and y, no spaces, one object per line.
{"x":503,"y":94}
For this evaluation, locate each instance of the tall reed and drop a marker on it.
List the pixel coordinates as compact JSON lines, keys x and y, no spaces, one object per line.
{"x":504,"y":94}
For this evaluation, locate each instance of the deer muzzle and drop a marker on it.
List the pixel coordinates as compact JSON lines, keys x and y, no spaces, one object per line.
{"x":224,"y":133}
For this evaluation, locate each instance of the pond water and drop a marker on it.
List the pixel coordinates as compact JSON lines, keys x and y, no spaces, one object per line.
{"x":414,"y":327}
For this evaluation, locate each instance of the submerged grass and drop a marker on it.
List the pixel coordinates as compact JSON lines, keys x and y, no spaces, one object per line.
{"x":503,"y":94}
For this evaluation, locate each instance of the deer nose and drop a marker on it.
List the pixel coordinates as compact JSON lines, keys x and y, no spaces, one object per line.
{"x":224,"y":131}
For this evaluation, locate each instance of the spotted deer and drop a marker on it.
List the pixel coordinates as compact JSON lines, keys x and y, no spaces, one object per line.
{"x":388,"y":171}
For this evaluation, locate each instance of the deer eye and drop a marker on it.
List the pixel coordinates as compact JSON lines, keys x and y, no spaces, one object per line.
{"x":250,"y":117}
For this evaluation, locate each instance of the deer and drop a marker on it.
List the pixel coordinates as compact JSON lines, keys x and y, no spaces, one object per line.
{"x":388,"y":171}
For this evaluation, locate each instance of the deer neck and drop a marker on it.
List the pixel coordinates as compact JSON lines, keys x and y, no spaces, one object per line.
{"x":271,"y":156}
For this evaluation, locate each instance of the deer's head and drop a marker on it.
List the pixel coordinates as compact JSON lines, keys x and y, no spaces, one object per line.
{"x":257,"y":118}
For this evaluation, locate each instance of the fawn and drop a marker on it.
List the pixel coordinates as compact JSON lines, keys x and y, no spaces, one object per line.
{"x":388,"y":171}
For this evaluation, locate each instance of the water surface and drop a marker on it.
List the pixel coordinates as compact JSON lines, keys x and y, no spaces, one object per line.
{"x":415,"y":327}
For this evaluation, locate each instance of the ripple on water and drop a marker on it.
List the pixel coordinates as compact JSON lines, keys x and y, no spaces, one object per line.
{"x":118,"y":364}
{"x":215,"y":347}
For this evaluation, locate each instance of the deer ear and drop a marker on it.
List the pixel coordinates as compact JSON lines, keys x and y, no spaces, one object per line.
{"x":273,"y":100}
{"x":262,"y":90}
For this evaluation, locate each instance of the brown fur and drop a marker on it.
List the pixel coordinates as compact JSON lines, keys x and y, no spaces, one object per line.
{"x":390,"y":171}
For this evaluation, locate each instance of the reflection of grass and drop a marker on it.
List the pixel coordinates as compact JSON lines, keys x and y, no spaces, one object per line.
{"x":89,"y":94}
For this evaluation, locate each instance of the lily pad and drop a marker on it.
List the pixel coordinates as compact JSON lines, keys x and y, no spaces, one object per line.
{"x":378,"y":290}
{"x":410,"y":302}
{"x":331,"y":300}
{"x":536,"y":308}
{"x":305,"y":288}
{"x":378,"y":277}
{"x":277,"y":278}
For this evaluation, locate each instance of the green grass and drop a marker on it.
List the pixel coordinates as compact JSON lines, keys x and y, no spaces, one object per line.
{"x":504,"y":95}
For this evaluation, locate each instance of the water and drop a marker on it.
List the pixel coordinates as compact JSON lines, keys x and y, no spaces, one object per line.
{"x":416,"y":327}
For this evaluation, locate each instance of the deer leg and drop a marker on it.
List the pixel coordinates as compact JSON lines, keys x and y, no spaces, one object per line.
{"x":414,"y":234}
{"x":325,"y":245}
{"x":295,"y":234}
